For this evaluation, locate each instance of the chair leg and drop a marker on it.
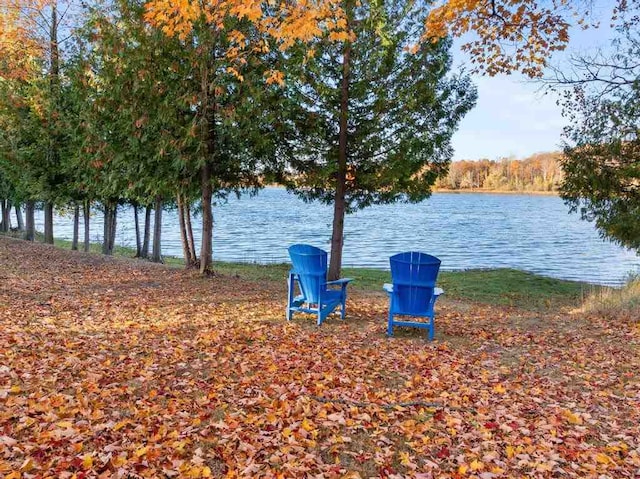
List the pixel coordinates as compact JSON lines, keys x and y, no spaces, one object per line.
{"x":390,"y":325}
{"x":320,"y":315}
{"x":344,"y":302}
{"x":432,"y":327}
{"x":289,"y":313}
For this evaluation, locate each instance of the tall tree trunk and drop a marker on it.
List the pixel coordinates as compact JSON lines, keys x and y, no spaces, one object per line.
{"x":76,"y":227}
{"x":30,"y":232}
{"x":339,"y":207}
{"x":48,"y":222}
{"x":206,"y":246}
{"x":19,"y":218}
{"x":112,"y":229}
{"x":8,"y":217}
{"x":5,"y":220}
{"x":106,"y":230}
{"x":136,"y":220}
{"x":54,"y":52}
{"x":109,"y":232}
{"x":86,"y":214}
{"x":187,"y":221}
{"x":156,"y":255}
{"x":208,"y":135}
{"x":186,"y":253}
{"x":54,"y":89}
{"x":147,"y":233}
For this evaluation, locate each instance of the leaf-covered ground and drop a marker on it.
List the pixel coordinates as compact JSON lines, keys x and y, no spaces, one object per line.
{"x":118,"y":368}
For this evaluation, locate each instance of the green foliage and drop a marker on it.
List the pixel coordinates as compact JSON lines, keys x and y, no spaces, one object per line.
{"x":403,"y":108}
{"x":602,"y":184}
{"x":128,"y":110}
{"x":20,"y":134}
{"x":602,"y":155}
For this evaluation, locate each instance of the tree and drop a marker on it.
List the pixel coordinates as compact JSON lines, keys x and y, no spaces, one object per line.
{"x":21,"y":58}
{"x":37,"y":65}
{"x":373,"y":114}
{"x":225,"y":39}
{"x":129,"y":112}
{"x":601,"y":158}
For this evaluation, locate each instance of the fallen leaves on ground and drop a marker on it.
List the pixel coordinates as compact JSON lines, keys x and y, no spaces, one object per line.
{"x":114,"y":368}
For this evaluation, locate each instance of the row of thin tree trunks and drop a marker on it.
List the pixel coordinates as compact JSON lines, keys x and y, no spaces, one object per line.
{"x":86,"y":211}
{"x":143,"y":241}
{"x":28,"y":227}
{"x":5,"y":216}
{"x":110,"y":223}
{"x":186,"y":231}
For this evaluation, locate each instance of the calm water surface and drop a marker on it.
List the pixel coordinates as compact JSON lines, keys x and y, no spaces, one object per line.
{"x":533,"y":233}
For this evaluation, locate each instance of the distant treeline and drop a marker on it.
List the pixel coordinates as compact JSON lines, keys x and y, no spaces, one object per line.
{"x":539,"y":172}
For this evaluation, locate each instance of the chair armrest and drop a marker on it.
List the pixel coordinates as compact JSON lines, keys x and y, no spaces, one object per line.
{"x":388,"y":287}
{"x":341,"y":281}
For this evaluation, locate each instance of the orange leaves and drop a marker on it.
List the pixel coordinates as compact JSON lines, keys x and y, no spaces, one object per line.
{"x":602,"y":458}
{"x":206,"y":23}
{"x":87,"y":461}
{"x":174,"y":18}
{"x":511,"y":35}
{"x":247,"y":9}
{"x":141,"y":451}
{"x":120,"y":425}
{"x":571,"y":417}
{"x":27,"y":465}
{"x":341,"y":36}
{"x":274,"y":76}
{"x":287,"y":23}
{"x":500,"y":389}
{"x":18,"y":48}
{"x":233,"y":71}
{"x":131,"y":369}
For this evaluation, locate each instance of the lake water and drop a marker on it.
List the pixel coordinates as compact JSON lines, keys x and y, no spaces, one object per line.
{"x":528,"y":232}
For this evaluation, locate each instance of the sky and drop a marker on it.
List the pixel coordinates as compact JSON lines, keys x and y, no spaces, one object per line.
{"x":513,"y":116}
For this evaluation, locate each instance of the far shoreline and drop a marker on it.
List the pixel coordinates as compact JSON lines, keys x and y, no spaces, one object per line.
{"x":495,"y":192}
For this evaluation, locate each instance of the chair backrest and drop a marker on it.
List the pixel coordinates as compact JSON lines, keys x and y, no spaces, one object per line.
{"x":310,"y":264}
{"x":414,"y":276}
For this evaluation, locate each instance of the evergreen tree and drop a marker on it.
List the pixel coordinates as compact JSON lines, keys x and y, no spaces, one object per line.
{"x":601,"y":159}
{"x":372,"y":116}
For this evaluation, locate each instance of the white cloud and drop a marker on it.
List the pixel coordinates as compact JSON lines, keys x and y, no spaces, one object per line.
{"x":512,"y":117}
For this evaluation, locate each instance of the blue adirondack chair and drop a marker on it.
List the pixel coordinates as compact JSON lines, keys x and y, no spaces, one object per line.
{"x":413,"y":292}
{"x":309,"y":273}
